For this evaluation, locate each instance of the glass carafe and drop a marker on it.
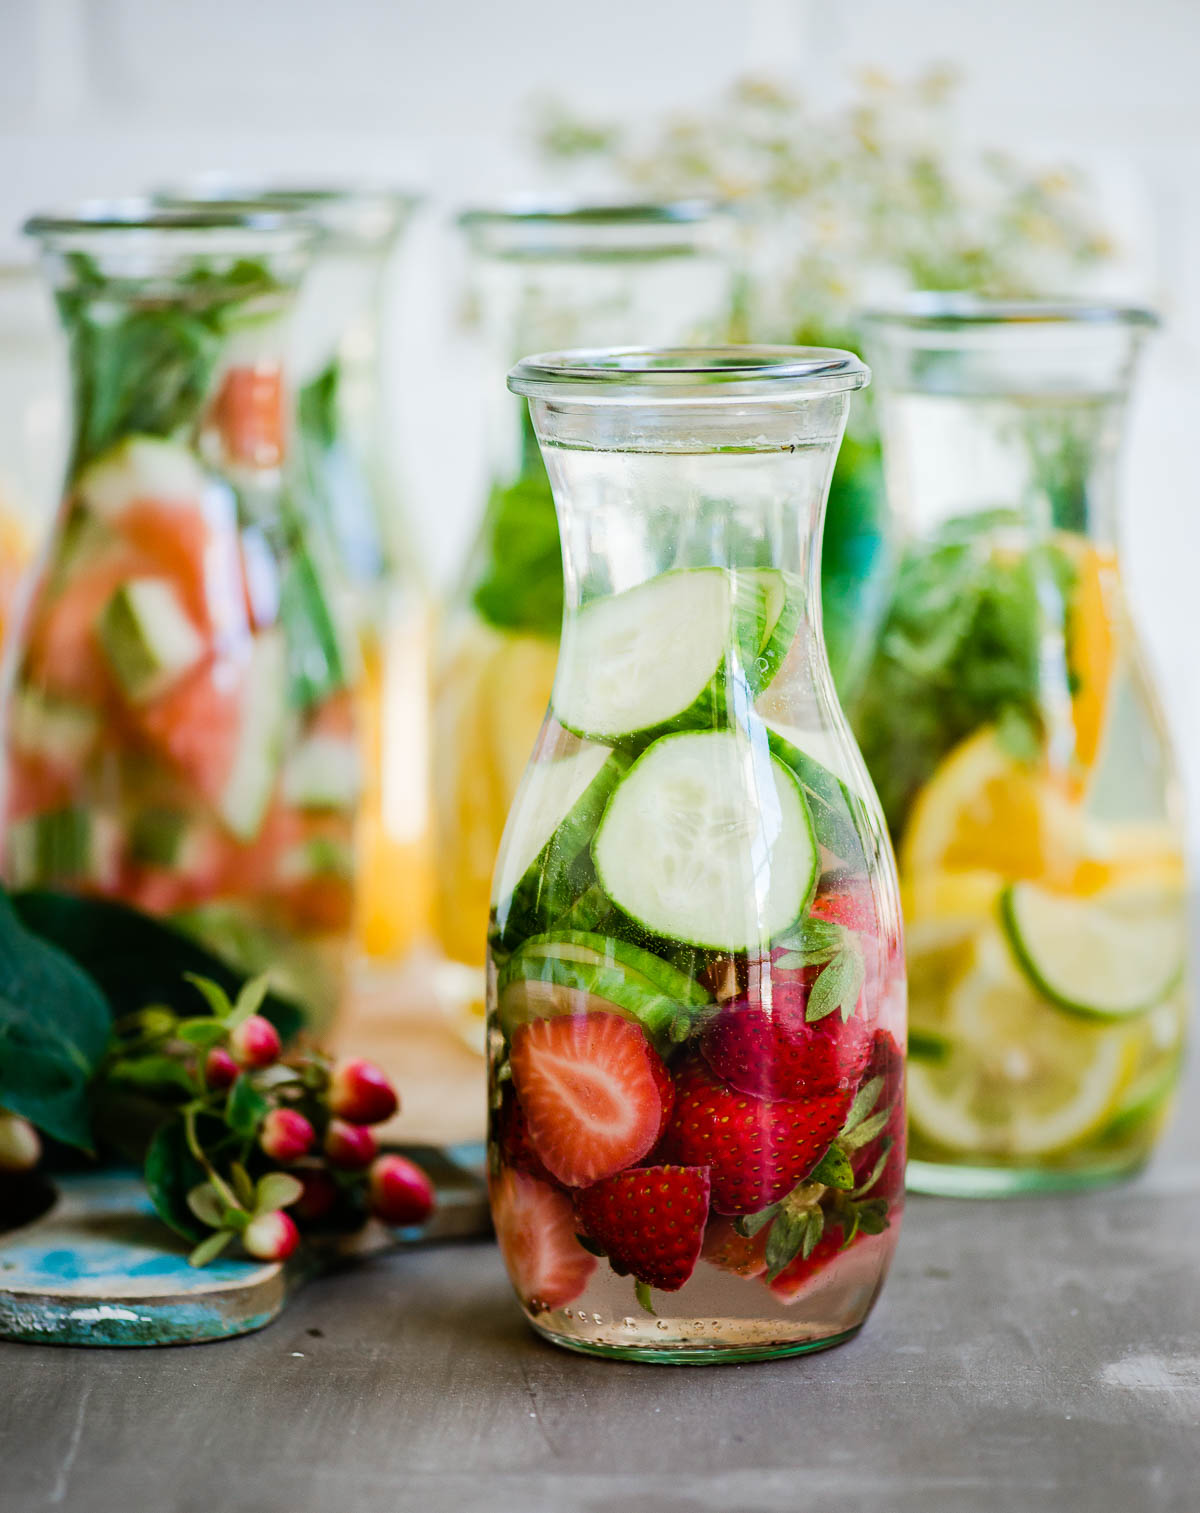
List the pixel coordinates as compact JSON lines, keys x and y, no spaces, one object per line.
{"x":1017,"y":747}
{"x":696,"y":1016}
{"x":542,"y":276}
{"x":179,"y":727}
{"x":347,"y":475}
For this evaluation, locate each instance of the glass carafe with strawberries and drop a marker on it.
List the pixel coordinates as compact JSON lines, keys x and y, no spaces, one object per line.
{"x":1018,"y":749}
{"x":696,"y":996}
{"x":542,"y":275}
{"x":179,"y":729}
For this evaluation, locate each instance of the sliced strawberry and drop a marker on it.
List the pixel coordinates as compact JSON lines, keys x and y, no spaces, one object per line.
{"x":762,"y":1045}
{"x":510,"y":1131}
{"x":758,"y":1150}
{"x":887,"y":1061}
{"x":175,"y":538}
{"x":595,"y":1093}
{"x":851,"y":904}
{"x":535,"y":1228}
{"x":727,"y":1250}
{"x":649,"y":1222}
{"x":862,"y":1266}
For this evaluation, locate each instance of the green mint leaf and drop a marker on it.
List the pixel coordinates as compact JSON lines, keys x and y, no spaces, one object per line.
{"x":245,"y":1107}
{"x":813,"y":939}
{"x":209,"y":1249}
{"x":927,"y":1045}
{"x":643,"y":1293}
{"x":833,"y":1170}
{"x":864,"y":1101}
{"x":206,"y":1205}
{"x":276,"y":1190}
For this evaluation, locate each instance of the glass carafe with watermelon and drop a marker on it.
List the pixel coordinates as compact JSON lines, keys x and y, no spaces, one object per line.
{"x":1018,"y":749}
{"x":542,"y":275}
{"x":179,"y":721}
{"x":696,"y":1002}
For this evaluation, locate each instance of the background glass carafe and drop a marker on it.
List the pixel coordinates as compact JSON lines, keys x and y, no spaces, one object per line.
{"x":1019,"y":752}
{"x":179,"y":723}
{"x":696,"y":985}
{"x":541,"y":276}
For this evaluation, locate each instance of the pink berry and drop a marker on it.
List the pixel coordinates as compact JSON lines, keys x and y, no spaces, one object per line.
{"x":399,"y":1192}
{"x":271,"y":1236}
{"x":20,"y":1145}
{"x":361,"y":1093}
{"x":255,"y":1042}
{"x":220,"y":1069}
{"x":286,"y":1135}
{"x":319,"y":1195}
{"x":350,"y":1146}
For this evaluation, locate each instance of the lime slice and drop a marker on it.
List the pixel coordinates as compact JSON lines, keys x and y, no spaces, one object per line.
{"x":1108,"y":956}
{"x":1017,"y":1079}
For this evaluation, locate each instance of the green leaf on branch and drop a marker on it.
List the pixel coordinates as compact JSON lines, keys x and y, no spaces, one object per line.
{"x":246,"y":1107}
{"x":206,"y":1205}
{"x":250,"y":1000}
{"x":276,"y":1190}
{"x":172,"y":1173}
{"x":54,"y":1026}
{"x":209,"y":1249}
{"x":214,"y":996}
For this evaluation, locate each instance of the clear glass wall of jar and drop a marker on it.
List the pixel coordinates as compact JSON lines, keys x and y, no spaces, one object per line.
{"x":179,"y":727}
{"x":695,"y":972}
{"x":1017,"y":745}
{"x":348,"y":475}
{"x":542,"y":275}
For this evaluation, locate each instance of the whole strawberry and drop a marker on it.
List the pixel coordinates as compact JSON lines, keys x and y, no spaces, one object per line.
{"x":757,"y":1149}
{"x":767,"y":1049}
{"x":649,"y":1221}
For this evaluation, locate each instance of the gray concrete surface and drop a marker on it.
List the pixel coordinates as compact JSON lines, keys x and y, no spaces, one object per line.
{"x":1041,"y":1354}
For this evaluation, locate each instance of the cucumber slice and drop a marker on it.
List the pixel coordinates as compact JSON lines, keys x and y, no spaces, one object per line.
{"x":247,"y":791}
{"x":323,"y":772}
{"x":66,"y":845}
{"x":60,"y":732}
{"x":553,"y":819}
{"x":707,"y":841}
{"x":1108,"y":956}
{"x":148,"y":639}
{"x":558,"y":986}
{"x":641,"y":967}
{"x":783,"y":599}
{"x":657,"y":657}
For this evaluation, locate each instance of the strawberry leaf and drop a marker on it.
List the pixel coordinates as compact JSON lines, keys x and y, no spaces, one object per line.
{"x":877,"y":1170}
{"x":210,"y":1248}
{"x":813,"y":1232}
{"x":645,"y":1297}
{"x":864,"y":1101}
{"x":785,"y":1240}
{"x":865,"y":1132}
{"x":748,"y":1225}
{"x":872,"y":1216}
{"x":834,"y":1170}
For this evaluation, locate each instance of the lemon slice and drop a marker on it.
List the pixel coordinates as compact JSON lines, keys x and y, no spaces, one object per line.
{"x":983,"y":811}
{"x":1019,"y":1078}
{"x":1109,"y":956}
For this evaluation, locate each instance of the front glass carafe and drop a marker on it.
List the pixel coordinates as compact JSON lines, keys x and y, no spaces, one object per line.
{"x":1017,"y":747}
{"x":696,"y":1006}
{"x":541,"y":277}
{"x":179,"y":728}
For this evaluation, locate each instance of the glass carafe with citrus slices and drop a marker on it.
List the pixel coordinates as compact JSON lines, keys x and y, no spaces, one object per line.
{"x":179,"y":731}
{"x":696,"y":1006}
{"x":541,"y":275}
{"x":1017,"y":746}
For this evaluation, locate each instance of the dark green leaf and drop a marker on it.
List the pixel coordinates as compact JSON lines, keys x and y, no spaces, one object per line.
{"x":54,"y":1025}
{"x":834,"y":1170}
{"x":136,"y":960}
{"x":246,"y":1107}
{"x":172,"y":1172}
